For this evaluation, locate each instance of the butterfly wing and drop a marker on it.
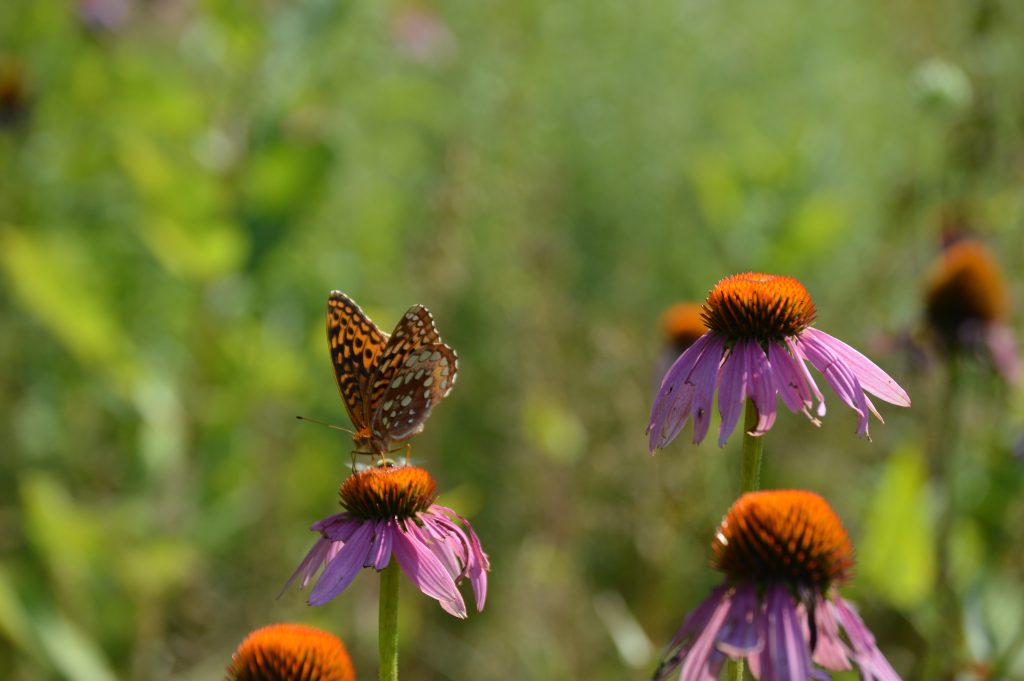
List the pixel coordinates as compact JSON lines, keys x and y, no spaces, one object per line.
{"x":355,"y":343}
{"x":416,"y":372}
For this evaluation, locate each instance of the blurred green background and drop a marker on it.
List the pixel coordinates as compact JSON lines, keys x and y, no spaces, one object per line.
{"x":184,"y":181}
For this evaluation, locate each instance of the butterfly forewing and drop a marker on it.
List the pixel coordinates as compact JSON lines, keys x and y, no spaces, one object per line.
{"x":356,"y":344}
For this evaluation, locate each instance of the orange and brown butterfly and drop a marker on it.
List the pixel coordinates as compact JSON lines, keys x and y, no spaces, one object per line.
{"x":389,"y":384}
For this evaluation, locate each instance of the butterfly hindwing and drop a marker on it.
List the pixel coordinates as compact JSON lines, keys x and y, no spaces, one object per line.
{"x":356,"y":344}
{"x":420,"y":382}
{"x":413,"y":331}
{"x":416,"y":372}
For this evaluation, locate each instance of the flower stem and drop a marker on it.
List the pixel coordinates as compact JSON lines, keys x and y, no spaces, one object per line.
{"x":753,"y":447}
{"x":750,"y":481}
{"x":388,"y":622}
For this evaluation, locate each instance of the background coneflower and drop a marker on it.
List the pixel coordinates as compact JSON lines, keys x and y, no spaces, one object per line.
{"x":966,"y":306}
{"x":783,"y":554}
{"x":758,"y":341}
{"x":290,"y":652}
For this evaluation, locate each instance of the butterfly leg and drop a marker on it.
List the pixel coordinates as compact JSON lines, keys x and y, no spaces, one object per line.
{"x":408,"y":448}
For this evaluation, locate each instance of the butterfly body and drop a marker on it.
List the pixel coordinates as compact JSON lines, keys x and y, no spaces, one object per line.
{"x":388,"y":383}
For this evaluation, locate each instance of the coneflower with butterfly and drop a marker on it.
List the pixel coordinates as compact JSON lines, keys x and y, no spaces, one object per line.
{"x":389,"y":385}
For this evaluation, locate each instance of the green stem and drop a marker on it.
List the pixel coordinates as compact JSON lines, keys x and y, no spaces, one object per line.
{"x":753,"y":448}
{"x":388,"y":622}
{"x":750,"y":481}
{"x":945,"y":452}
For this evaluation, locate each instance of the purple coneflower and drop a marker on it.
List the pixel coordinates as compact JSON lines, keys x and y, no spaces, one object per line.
{"x":966,"y":306}
{"x":291,"y":652}
{"x":390,"y":511}
{"x":758,"y":341}
{"x":783,"y":554}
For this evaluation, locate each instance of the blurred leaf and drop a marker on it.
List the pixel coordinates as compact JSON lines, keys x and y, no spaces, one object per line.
{"x":553,"y":430}
{"x":50,"y":277}
{"x":717,"y":188}
{"x":70,"y":539}
{"x":896,"y":552}
{"x":158,"y":566}
{"x":15,"y":621}
{"x":72,"y":651}
{"x":200,"y":250}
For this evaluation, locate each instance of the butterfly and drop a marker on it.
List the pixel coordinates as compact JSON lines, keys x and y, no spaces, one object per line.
{"x":389,"y":384}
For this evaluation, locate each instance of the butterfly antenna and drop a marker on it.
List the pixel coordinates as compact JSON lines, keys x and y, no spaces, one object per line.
{"x":329,"y":425}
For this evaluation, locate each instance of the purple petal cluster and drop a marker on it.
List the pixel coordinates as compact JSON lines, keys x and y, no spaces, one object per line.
{"x":437,"y":550}
{"x":741,"y":368}
{"x":770,"y":630}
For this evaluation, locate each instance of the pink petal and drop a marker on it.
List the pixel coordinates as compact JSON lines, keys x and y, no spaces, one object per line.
{"x":1003,"y":348}
{"x":868,"y":658}
{"x":830,"y":651}
{"x":789,"y":381}
{"x":800,"y":360}
{"x":477,"y":564}
{"x":839,"y":376}
{"x":870,"y":376}
{"x":346,"y":565}
{"x":427,"y":573}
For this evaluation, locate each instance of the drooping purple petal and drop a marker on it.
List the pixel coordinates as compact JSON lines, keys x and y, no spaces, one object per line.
{"x":761,"y":388}
{"x":705,"y":380}
{"x":694,"y":623}
{"x":380,"y":550}
{"x":733,"y":385}
{"x":866,"y":655}
{"x":337,"y":527}
{"x":785,"y":656}
{"x":309,"y":565}
{"x":671,"y":407}
{"x":427,"y":572}
{"x":870,"y":376}
{"x":743,"y":632}
{"x":698,"y":664}
{"x":340,"y":571}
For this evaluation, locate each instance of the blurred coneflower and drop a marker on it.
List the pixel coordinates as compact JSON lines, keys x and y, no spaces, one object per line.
{"x":290,"y":652}
{"x":966,"y":306}
{"x":681,"y":325}
{"x":783,"y":553}
{"x":14,"y":99}
{"x":390,"y":511}
{"x":758,"y":340}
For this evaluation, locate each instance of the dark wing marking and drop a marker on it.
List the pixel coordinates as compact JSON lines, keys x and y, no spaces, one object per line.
{"x":355,"y":343}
